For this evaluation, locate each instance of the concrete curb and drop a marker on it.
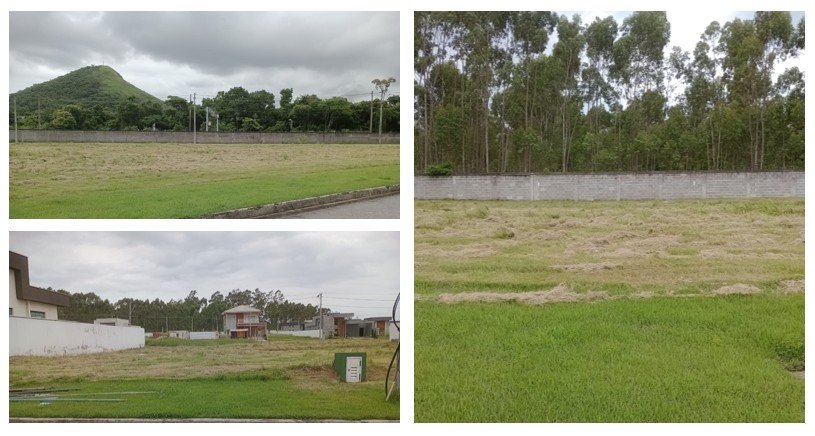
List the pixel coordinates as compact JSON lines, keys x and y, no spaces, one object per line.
{"x":306,"y":204}
{"x":191,"y":420}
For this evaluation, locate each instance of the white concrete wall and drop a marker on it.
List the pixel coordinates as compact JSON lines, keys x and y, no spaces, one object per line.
{"x":302,"y":333}
{"x":43,"y":337}
{"x":203,"y":335}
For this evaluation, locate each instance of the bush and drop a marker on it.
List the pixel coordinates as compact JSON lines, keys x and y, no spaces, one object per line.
{"x":445,"y":169}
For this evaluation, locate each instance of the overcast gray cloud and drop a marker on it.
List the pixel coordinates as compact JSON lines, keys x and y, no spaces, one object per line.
{"x":178,"y":53}
{"x":167,"y":265}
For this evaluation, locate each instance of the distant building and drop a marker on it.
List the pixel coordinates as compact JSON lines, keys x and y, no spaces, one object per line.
{"x":359,"y":328}
{"x":380,"y":324}
{"x":340,"y":325}
{"x":292,"y":326}
{"x":118,"y":322}
{"x":26,"y":300}
{"x":244,"y":322}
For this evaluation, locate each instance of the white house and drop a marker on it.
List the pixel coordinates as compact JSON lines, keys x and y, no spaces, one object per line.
{"x":34,"y":329}
{"x":26,"y":300}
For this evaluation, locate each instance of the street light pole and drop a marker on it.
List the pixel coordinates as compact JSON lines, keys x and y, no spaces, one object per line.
{"x":382,"y":85}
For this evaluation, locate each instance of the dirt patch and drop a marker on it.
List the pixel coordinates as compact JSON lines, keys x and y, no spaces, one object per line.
{"x":642,"y":294}
{"x":558,"y":294}
{"x":737,"y":289}
{"x":799,"y":374}
{"x":585,"y":267}
{"x":792,"y":286}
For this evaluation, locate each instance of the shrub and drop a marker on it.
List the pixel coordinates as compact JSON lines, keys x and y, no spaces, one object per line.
{"x":445,"y":169}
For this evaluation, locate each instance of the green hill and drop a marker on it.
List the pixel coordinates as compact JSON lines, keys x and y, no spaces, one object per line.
{"x":97,"y":85}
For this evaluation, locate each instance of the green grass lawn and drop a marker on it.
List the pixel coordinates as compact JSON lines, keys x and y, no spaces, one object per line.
{"x":284,"y":377}
{"x":653,"y":311}
{"x":263,"y":395}
{"x":184,"y":180}
{"x":716,"y":359}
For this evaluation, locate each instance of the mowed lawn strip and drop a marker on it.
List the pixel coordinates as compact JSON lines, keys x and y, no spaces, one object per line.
{"x":656,"y":344}
{"x":706,"y":359}
{"x":185,"y":180}
{"x":215,"y":398}
{"x":284,"y":377}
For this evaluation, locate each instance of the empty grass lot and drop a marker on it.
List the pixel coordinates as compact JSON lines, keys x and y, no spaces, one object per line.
{"x":282,"y":378}
{"x":66,"y":180}
{"x":652,"y":311}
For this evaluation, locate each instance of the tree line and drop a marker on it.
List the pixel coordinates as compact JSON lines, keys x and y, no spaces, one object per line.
{"x":494,"y":96}
{"x":235,"y":110}
{"x":194,"y":312}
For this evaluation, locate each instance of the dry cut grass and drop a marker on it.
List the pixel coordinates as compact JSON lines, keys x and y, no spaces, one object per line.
{"x":660,"y":247}
{"x":303,"y":360}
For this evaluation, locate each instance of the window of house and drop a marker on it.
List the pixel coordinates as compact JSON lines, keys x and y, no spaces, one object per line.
{"x":37,"y":314}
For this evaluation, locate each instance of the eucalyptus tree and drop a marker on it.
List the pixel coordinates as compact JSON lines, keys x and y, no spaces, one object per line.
{"x":567,"y":54}
{"x":752,"y":49}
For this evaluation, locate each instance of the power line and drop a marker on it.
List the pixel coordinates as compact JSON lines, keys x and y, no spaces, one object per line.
{"x":356,"y":299}
{"x":360,"y":307}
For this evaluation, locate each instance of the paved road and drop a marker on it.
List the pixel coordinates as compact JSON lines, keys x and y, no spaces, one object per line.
{"x":378,"y":208}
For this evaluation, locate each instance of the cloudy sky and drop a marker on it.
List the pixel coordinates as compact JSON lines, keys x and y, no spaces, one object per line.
{"x":356,"y":271}
{"x":178,"y":53}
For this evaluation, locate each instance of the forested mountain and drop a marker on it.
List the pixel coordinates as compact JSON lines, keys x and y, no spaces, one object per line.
{"x":193,"y":312}
{"x":98,"y":89}
{"x":98,"y":98}
{"x":495,"y":95}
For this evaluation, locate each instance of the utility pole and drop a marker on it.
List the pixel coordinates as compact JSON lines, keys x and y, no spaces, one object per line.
{"x":322,"y":333}
{"x":130,"y":312}
{"x":371,"y":122}
{"x":382,"y":85}
{"x":194,"y":121}
{"x":206,"y":126}
{"x":16,"y":137}
{"x":189,"y":114}
{"x":38,"y":113}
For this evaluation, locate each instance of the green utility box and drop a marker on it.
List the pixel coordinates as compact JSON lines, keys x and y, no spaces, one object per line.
{"x":351,"y":367}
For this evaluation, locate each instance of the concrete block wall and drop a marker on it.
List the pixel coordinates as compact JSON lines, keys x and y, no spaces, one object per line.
{"x":45,"y":337}
{"x":202,"y":137}
{"x":628,"y":186}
